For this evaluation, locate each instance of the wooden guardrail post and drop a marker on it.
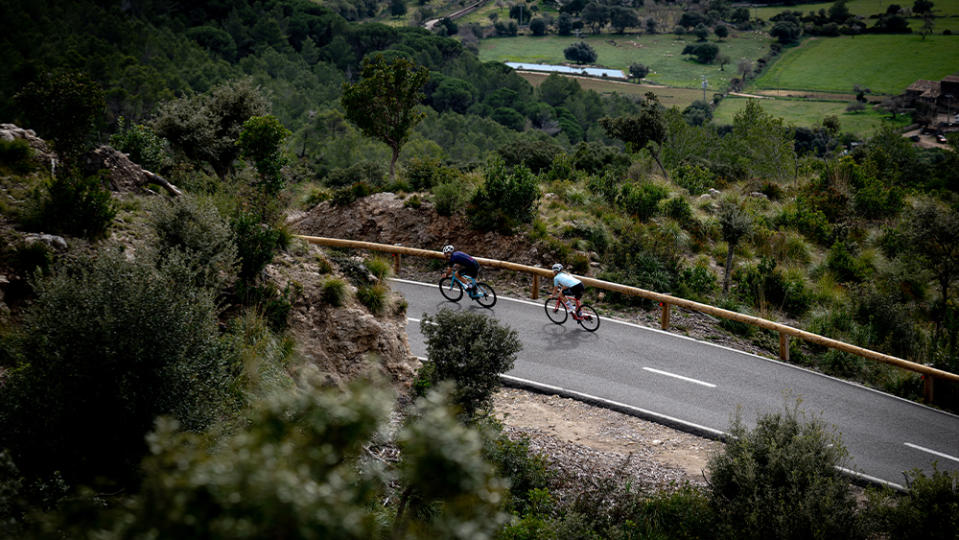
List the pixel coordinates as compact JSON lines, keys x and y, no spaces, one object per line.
{"x":396,"y":264}
{"x":666,"y":301}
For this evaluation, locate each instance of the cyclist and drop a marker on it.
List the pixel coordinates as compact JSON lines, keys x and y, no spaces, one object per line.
{"x":565,"y":285}
{"x":460,"y":264}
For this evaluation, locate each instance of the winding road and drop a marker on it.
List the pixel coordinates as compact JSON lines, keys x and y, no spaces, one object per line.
{"x":698,"y":387}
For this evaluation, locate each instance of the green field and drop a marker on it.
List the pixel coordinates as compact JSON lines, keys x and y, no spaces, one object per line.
{"x":805,"y":113}
{"x":668,"y":96}
{"x":885,"y":64}
{"x":946,"y":12}
{"x":661,"y":52}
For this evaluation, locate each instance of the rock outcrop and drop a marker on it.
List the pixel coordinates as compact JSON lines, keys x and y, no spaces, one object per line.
{"x":383,"y":218}
{"x":347,"y":341}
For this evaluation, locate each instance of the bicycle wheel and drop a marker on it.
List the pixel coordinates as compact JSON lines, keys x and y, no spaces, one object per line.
{"x":588,"y":318}
{"x":485,"y":295}
{"x":451,"y":290}
{"x":555,"y":310}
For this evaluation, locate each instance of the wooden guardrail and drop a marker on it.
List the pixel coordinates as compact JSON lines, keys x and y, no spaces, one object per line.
{"x":785,"y":332}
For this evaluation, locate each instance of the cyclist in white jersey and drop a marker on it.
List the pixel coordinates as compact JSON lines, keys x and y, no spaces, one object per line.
{"x":565,"y":285}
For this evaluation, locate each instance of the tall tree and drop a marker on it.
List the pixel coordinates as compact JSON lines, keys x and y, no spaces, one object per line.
{"x":645,"y":130}
{"x":382,"y":104}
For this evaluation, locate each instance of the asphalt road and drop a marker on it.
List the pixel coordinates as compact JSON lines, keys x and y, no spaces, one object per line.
{"x":699,"y":386}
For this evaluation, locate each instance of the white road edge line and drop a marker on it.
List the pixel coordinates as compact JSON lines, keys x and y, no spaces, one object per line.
{"x":614,"y":403}
{"x":765,"y":359}
{"x":687,"y":379}
{"x":933,"y":452}
{"x":720,"y":433}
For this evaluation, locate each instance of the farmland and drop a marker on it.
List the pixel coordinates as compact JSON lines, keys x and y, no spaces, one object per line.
{"x":660,"y":52}
{"x":836,"y":64}
{"x":808,"y":113}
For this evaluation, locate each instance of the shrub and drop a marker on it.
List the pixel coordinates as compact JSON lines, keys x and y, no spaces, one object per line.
{"x":424,"y":173}
{"x":346,"y":195}
{"x":642,"y":201}
{"x":696,"y":283}
{"x":678,"y":208}
{"x":334,"y":292}
{"x":256,"y":244}
{"x":472,"y":350}
{"x":696,"y":179}
{"x":144,"y":147}
{"x":374,"y":297}
{"x":779,"y":480}
{"x":379,"y":267}
{"x":929,"y":510}
{"x":365,"y":171}
{"x":514,"y":460}
{"x":108,"y":346}
{"x":72,"y":204}
{"x":846,"y":266}
{"x":195,"y":229}
{"x":506,"y":199}
{"x":17,"y":156}
{"x":450,"y":198}
{"x":736,"y":327}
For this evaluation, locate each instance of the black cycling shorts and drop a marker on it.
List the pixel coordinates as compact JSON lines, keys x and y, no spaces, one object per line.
{"x":468,"y":270}
{"x":576,"y":291}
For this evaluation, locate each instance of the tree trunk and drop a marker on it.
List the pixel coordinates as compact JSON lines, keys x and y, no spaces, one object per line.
{"x":660,"y":163}
{"x":396,"y":155}
{"x":728,"y":270}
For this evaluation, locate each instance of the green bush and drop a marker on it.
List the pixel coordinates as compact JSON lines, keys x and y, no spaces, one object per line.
{"x":347,"y":195}
{"x":696,"y":283}
{"x":195,"y":229}
{"x":379,"y":267}
{"x":845,"y":265}
{"x":450,"y":198}
{"x":108,"y":346}
{"x":366,"y":172}
{"x":736,"y":327}
{"x":334,"y":292}
{"x":514,"y":460}
{"x":424,"y":173}
{"x":256,"y":244}
{"x":696,"y":179}
{"x":929,"y":510}
{"x":374,"y":297}
{"x":678,"y":208}
{"x":144,"y":147}
{"x":779,"y":480}
{"x":506,"y":199}
{"x":471,"y":350}
{"x":642,"y":201}
{"x":72,"y":204}
{"x":17,"y":156}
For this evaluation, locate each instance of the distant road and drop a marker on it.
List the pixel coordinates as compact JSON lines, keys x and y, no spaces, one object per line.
{"x":698,"y":386}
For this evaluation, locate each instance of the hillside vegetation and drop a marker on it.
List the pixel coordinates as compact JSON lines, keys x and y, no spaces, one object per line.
{"x":174,"y":364}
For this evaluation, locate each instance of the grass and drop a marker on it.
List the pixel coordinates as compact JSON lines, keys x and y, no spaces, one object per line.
{"x":837,"y":64}
{"x":806,"y":113}
{"x":661,"y":52}
{"x":945,"y":11}
{"x":668,"y":96}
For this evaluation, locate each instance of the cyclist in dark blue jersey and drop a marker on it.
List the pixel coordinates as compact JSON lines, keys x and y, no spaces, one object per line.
{"x":460,"y":264}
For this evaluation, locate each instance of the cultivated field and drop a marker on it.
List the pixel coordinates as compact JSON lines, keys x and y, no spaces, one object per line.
{"x":885,"y":64}
{"x":660,"y":52}
{"x":805,"y":113}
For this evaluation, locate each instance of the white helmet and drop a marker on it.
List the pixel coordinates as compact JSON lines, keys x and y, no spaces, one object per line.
{"x":557,"y":268}
{"x":447,"y":249}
